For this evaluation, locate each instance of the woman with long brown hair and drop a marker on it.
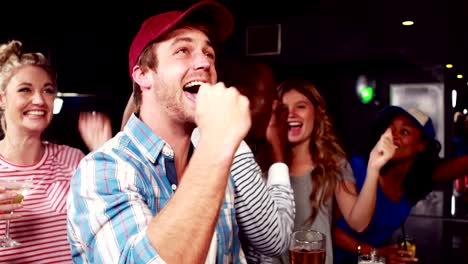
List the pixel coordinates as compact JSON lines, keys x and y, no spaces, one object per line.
{"x":318,"y":165}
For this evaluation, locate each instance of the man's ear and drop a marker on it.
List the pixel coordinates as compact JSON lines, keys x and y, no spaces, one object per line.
{"x":142,"y":77}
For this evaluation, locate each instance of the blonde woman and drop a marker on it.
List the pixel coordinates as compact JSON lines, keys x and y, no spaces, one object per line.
{"x":27,"y":93}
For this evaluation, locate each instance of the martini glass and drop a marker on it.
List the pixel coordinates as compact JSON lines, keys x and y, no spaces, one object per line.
{"x":21,"y":187}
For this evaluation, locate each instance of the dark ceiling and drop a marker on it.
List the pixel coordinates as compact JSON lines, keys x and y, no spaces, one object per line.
{"x":88,"y":44}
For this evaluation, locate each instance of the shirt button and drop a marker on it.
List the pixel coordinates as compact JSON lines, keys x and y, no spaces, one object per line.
{"x":174,"y":187}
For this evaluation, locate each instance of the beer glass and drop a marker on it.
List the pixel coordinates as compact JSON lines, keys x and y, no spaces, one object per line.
{"x":307,"y":247}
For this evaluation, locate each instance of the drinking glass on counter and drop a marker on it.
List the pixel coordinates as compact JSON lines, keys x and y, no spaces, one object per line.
{"x":372,"y":258}
{"x":307,"y":247}
{"x":368,"y":259}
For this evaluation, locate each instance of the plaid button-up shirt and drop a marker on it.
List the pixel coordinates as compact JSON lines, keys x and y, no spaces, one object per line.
{"x":118,"y":189}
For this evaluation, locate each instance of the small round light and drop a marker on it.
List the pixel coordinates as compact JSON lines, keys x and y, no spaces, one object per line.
{"x":367,"y":94}
{"x":407,"y":23}
{"x":460,"y":76}
{"x":449,"y":66}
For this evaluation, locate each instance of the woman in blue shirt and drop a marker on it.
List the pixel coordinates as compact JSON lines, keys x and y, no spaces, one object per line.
{"x":404,"y":180}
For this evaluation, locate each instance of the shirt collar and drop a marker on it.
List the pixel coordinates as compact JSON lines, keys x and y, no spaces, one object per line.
{"x":148,"y":142}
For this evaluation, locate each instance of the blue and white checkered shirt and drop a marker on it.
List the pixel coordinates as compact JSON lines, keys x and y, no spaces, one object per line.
{"x":118,"y":189}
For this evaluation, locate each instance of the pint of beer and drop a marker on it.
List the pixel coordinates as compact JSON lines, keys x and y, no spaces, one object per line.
{"x":307,"y":247}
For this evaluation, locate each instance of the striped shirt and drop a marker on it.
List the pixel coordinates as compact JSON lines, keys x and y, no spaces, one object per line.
{"x":118,"y":189}
{"x":42,"y":230}
{"x":264,"y":211}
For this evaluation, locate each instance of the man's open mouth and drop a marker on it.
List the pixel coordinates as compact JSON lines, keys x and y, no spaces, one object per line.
{"x":192,"y":87}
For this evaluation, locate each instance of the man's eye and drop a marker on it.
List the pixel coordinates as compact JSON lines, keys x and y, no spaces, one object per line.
{"x":182,"y":51}
{"x":210,"y":55}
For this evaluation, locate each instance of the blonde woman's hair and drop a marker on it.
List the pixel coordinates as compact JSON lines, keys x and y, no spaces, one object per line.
{"x":328,"y":156}
{"x":11,"y":58}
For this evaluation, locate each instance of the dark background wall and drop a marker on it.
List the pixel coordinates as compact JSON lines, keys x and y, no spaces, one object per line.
{"x":333,"y":42}
{"x":330,"y":42}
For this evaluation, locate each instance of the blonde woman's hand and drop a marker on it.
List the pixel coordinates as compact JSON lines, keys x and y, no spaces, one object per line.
{"x":7,"y":205}
{"x":95,"y":129}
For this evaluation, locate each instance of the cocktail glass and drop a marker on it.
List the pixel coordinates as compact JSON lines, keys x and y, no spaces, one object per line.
{"x":21,"y":187}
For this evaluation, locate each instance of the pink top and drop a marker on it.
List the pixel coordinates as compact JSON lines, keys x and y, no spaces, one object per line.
{"x":43,"y":227}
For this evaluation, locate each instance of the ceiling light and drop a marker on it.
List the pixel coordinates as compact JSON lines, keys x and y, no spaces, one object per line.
{"x":449,"y":66}
{"x":408,"y":23}
{"x":454,"y":98}
{"x":74,"y":95}
{"x":459,"y":76}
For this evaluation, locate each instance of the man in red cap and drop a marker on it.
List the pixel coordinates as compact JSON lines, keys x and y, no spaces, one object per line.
{"x":138,"y":198}
{"x":264,"y":212}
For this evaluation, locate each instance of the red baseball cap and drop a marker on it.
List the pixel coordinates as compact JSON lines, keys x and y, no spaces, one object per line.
{"x":217,"y":18}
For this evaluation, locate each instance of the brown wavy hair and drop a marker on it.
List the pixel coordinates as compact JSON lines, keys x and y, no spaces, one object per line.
{"x":328,"y":156}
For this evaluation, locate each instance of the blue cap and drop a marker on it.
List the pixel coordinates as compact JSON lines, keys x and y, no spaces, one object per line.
{"x":419,"y":117}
